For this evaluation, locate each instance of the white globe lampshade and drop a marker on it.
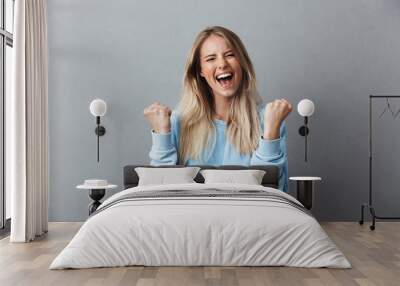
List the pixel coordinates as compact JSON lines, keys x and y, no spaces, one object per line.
{"x":98,"y":107}
{"x":305,"y":107}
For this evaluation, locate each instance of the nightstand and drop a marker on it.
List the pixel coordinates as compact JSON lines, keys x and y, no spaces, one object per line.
{"x":97,"y":190}
{"x":305,"y":189}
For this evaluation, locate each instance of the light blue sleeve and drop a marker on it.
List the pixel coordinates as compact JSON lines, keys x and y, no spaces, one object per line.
{"x":273,"y":152}
{"x":164,"y":150}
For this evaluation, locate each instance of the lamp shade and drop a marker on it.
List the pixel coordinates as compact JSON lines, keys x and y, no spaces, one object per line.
{"x":305,"y":107}
{"x":98,"y":107}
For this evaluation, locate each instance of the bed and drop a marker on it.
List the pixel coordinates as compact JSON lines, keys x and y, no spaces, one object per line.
{"x":197,"y":224}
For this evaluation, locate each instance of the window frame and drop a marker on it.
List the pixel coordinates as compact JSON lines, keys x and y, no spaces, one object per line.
{"x":6,"y":39}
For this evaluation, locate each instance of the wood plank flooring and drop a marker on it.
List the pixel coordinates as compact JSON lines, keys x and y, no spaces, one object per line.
{"x":375,"y":256}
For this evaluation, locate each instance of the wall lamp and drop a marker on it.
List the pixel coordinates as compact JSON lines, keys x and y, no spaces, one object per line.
{"x":98,"y":108}
{"x":305,"y":108}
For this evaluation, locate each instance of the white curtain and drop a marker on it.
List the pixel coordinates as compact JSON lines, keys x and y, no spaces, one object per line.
{"x":27,"y":119}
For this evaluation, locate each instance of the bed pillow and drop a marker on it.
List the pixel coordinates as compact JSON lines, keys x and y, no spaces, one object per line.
{"x":163,"y":176}
{"x":249,"y":177}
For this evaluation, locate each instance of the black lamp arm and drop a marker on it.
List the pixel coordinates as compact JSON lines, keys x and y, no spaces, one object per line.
{"x":303,"y":131}
{"x":100,"y":131}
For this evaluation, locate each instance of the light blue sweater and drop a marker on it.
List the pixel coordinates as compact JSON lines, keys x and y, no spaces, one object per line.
{"x":222,"y":152}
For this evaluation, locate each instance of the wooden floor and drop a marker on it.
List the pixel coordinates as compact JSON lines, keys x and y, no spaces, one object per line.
{"x":375,"y":256}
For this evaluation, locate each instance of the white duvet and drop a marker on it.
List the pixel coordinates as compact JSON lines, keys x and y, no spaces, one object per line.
{"x":200,"y":231}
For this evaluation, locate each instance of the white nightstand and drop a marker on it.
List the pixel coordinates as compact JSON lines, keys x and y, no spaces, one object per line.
{"x":305,"y":189}
{"x":97,"y":190}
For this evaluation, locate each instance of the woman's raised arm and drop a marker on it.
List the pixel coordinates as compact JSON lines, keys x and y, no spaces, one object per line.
{"x":164,"y":134}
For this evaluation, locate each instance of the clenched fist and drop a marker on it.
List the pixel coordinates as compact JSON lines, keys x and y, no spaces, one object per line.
{"x":275,"y":113}
{"x":158,"y":116}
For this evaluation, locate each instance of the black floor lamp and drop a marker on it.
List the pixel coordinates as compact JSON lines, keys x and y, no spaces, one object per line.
{"x":370,"y":203}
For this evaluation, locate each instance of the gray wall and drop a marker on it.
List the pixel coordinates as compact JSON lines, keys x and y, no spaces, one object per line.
{"x":131,"y":53}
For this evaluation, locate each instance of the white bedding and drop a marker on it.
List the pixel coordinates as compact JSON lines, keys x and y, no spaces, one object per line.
{"x":200,"y":231}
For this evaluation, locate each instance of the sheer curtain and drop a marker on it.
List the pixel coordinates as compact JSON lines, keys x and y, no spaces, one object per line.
{"x":28,"y":123}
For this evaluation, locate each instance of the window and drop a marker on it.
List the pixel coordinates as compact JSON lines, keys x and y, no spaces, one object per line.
{"x":6,"y":44}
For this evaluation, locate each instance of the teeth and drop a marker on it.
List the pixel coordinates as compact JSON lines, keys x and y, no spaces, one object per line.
{"x":224,"y":75}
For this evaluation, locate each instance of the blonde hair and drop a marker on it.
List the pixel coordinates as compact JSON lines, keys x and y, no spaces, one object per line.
{"x":196,"y":108}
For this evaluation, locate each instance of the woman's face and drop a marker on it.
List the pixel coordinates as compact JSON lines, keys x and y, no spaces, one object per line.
{"x":220,"y":66}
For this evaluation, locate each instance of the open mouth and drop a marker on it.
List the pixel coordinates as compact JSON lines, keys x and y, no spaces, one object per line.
{"x":225,"y":80}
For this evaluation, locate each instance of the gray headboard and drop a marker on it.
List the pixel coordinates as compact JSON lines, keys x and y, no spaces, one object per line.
{"x":270,"y":179}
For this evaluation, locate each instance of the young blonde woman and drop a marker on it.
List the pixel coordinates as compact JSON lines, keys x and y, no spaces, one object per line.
{"x":220,"y":119}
